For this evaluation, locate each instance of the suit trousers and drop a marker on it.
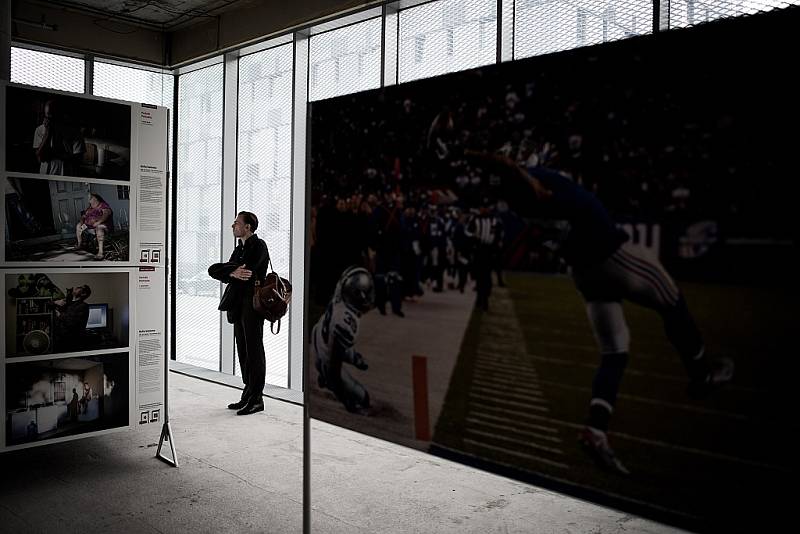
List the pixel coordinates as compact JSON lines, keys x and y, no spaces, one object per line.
{"x":248,"y":330}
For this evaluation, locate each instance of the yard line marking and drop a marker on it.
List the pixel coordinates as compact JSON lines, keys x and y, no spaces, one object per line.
{"x":512,"y":371}
{"x":656,"y":402}
{"x":517,"y":422}
{"x":638,"y":439}
{"x":503,"y":393}
{"x":508,"y":384}
{"x":521,"y":442}
{"x":531,"y":406}
{"x":503,"y":450}
{"x":517,"y":365}
{"x":679,"y":377}
{"x":515,"y":430}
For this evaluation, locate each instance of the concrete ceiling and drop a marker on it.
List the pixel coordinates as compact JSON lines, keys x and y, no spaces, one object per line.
{"x":164,"y":15}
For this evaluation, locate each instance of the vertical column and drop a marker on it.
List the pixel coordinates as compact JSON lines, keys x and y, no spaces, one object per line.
{"x":299,"y":258}
{"x":391,"y":21}
{"x":660,"y":15}
{"x":505,"y":30}
{"x":5,"y":40}
{"x":230,"y":108}
{"x":88,"y":74}
{"x":172,"y":219}
{"x":297,"y":267}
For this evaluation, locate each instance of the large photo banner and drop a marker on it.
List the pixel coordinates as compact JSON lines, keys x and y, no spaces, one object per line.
{"x":576,"y":270}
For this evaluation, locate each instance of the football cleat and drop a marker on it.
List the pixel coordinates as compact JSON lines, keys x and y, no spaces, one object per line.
{"x":720,"y":373}
{"x":595,"y":443}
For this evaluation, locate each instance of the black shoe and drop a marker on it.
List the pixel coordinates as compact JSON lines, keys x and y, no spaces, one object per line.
{"x":237,"y":405}
{"x":252,"y":407}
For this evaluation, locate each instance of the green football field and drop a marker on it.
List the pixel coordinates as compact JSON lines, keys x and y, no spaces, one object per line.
{"x":521,"y":387}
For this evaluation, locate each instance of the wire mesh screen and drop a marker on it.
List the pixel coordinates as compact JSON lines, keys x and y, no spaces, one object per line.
{"x":264,"y":174}
{"x":683,"y":13}
{"x":345,"y":60}
{"x":198,"y":215}
{"x":545,"y":26}
{"x":447,"y":36}
{"x":42,"y":69}
{"x":135,"y":85}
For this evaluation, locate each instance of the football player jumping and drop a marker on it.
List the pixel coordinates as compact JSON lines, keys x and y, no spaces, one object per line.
{"x":607,"y":269}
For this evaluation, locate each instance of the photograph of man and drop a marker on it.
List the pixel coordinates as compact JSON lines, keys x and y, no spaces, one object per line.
{"x":247,"y":263}
{"x":71,"y":315}
{"x":57,"y":134}
{"x":64,"y":220}
{"x":60,"y":312}
{"x":58,"y":146}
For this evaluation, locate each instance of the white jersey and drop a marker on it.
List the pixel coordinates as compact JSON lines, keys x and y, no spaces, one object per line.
{"x":339,"y":326}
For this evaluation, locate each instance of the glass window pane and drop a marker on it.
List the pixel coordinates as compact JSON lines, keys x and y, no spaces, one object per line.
{"x":52,"y":71}
{"x":345,"y":60}
{"x":683,"y":13}
{"x":264,"y":183}
{"x":132,"y":84}
{"x":447,"y":36}
{"x":135,"y":85}
{"x":199,"y":212}
{"x":545,"y":26}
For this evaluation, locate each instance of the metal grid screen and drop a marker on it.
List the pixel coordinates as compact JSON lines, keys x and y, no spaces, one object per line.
{"x":52,"y":71}
{"x":345,"y":60}
{"x":264,"y":173}
{"x":198,"y":239}
{"x":545,"y":26}
{"x":684,"y":13}
{"x":132,"y":84}
{"x":135,"y":85}
{"x":446,"y":36}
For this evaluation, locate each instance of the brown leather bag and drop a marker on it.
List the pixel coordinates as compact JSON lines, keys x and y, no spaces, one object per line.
{"x":271,"y":298}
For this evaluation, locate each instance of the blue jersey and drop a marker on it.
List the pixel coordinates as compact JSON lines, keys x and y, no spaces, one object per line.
{"x":592,"y":235}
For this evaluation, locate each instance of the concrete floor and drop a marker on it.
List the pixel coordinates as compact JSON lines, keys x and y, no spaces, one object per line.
{"x":243,"y":474}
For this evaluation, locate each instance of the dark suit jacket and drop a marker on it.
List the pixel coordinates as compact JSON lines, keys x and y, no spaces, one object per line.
{"x":254,"y":255}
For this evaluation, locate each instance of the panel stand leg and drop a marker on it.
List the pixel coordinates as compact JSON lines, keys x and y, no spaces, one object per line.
{"x":166,"y":435}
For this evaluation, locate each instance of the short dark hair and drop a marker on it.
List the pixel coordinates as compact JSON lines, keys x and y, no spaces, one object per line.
{"x":249,"y":218}
{"x":86,"y":291}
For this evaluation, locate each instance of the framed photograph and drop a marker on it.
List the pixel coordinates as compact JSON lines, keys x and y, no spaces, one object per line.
{"x":56,"y":134}
{"x":493,"y":250}
{"x":59,"y":398}
{"x":65,"y":312}
{"x":65,"y":220}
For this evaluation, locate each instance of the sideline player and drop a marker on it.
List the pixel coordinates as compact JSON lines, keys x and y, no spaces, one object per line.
{"x":333,"y":338}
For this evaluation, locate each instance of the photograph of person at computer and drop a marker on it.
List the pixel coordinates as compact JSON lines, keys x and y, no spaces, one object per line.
{"x":65,"y":312}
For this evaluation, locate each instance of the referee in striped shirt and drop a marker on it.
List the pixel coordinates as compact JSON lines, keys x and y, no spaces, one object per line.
{"x":484,"y":229}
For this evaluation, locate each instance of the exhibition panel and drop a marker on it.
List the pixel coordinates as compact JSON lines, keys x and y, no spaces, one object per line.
{"x":83,"y":265}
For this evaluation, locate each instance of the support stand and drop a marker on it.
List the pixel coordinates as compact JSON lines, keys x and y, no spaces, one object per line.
{"x":166,"y":435}
{"x":169,"y":305}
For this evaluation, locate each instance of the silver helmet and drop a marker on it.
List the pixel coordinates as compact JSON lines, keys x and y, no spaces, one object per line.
{"x":356,"y":289}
